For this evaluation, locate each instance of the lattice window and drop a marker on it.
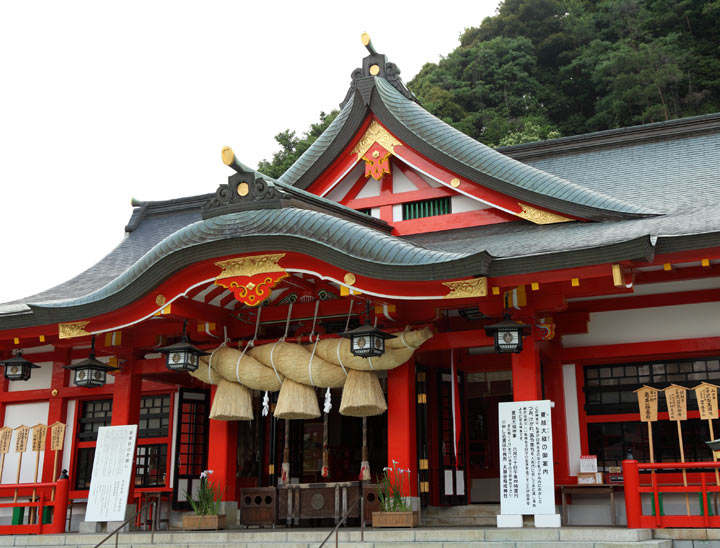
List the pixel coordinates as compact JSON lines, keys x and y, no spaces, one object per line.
{"x":609,"y":388}
{"x":151,"y":465}
{"x":154,"y":417}
{"x":83,"y":469}
{"x":94,"y":414}
{"x":426,"y":208}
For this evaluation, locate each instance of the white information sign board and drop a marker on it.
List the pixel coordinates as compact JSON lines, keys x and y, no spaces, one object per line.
{"x":112,"y":468}
{"x":527,"y":483}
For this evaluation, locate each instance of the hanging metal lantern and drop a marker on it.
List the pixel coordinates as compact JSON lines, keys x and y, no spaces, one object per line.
{"x":18,"y":368}
{"x":508,"y":335}
{"x":90,"y":373}
{"x":182,"y":356}
{"x":367,"y":341}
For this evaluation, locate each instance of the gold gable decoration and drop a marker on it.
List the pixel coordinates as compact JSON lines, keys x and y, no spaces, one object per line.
{"x":540,"y":217}
{"x":375,"y":134}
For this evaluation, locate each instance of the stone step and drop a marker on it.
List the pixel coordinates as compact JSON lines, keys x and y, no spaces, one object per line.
{"x":567,"y":537}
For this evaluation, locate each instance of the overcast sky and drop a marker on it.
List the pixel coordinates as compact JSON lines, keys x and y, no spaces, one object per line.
{"x":101,"y":102}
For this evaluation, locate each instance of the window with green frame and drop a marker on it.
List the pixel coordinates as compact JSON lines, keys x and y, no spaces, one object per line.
{"x":426,"y":208}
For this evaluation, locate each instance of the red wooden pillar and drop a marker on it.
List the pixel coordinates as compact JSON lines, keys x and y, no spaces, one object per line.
{"x":526,"y":372}
{"x":402,"y":436}
{"x":126,"y":405}
{"x":57,"y":410}
{"x":222,"y":455}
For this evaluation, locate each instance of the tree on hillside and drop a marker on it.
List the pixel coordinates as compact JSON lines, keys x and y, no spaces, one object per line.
{"x":539,"y":68}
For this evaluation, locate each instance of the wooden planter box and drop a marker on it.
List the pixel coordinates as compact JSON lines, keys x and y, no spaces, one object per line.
{"x":193,"y":522}
{"x":395,"y":519}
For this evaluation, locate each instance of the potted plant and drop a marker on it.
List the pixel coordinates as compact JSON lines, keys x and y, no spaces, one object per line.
{"x":394,"y":508}
{"x":205,"y":506}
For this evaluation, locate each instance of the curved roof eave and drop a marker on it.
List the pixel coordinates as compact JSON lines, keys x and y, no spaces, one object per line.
{"x":451,"y":148}
{"x":462,"y":154}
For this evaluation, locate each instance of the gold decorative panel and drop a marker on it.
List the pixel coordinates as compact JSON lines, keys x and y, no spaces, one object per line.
{"x":71,"y":330}
{"x":249,"y":266}
{"x":540,"y":217}
{"x":474,"y":287}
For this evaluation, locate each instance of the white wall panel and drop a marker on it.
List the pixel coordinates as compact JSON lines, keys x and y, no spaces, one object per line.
{"x":689,"y":321}
{"x":39,"y":378}
{"x":29,"y":414}
{"x":572,"y":423}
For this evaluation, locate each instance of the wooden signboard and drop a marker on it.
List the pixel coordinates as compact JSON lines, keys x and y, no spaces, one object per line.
{"x":39,"y":434}
{"x":5,"y":439}
{"x":707,"y":398}
{"x":21,"y":439}
{"x":648,"y":402}
{"x":22,"y":433}
{"x":57,"y":436}
{"x":676,"y":399}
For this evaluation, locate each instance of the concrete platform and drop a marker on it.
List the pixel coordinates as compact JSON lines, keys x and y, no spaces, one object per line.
{"x":436,"y":537}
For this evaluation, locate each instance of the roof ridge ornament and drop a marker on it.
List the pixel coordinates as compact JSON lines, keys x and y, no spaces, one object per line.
{"x":246,"y":189}
{"x":376,"y":64}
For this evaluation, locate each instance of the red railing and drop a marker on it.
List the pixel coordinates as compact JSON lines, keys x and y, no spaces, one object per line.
{"x":53,"y":495}
{"x":636,"y":484}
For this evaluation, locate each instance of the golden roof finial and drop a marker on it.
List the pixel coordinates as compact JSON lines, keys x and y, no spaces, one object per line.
{"x":365,"y":38}
{"x":228,"y":156}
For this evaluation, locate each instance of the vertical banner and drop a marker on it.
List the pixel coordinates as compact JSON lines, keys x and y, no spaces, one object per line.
{"x":676,"y":400}
{"x":456,"y":417}
{"x":707,"y":400}
{"x":112,"y":468}
{"x":5,"y":440}
{"x":527,"y":483}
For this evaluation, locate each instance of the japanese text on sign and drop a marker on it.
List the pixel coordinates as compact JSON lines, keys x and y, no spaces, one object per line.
{"x":707,"y":400}
{"x":676,"y":399}
{"x":110,"y":481}
{"x":527,"y":484}
{"x":57,"y":436}
{"x":648,"y":403}
{"x":39,"y":433}
{"x":5,"y":438}
{"x":21,"y":438}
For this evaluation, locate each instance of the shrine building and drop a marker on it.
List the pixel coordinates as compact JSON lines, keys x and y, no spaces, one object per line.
{"x":595,"y":259}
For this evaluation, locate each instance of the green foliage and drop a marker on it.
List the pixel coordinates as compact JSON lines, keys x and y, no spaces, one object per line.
{"x":292,"y":147}
{"x":542,"y":67}
{"x":207,"y":498}
{"x":390,"y":491}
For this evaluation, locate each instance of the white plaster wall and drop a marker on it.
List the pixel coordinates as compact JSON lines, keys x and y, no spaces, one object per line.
{"x":344,"y":186}
{"x":429,"y":180}
{"x":397,"y":212}
{"x":461,"y":204}
{"x":29,"y":414}
{"x":572,"y":422}
{"x":375,"y":212}
{"x":401,"y":183}
{"x":689,"y":321}
{"x":39,"y":379}
{"x":370,"y":190}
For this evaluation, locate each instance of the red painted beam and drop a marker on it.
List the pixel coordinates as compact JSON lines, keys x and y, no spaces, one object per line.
{"x":451,"y":221}
{"x":646,"y":350}
{"x":399,"y":198}
{"x":646,"y":301}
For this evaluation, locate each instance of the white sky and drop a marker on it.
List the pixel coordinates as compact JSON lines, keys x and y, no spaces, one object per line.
{"x":104,"y":101}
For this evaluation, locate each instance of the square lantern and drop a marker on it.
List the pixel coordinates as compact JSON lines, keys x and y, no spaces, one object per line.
{"x":367,"y":341}
{"x":90,"y":373}
{"x":508,"y":335}
{"x":18,"y":368}
{"x":182,"y":356}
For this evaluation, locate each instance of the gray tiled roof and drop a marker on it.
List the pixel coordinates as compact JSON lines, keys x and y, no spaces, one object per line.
{"x":485,"y":160}
{"x":666,"y":175}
